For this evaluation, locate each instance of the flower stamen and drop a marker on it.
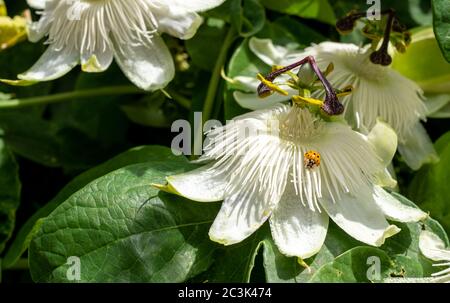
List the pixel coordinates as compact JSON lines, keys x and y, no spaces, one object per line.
{"x":331,"y":105}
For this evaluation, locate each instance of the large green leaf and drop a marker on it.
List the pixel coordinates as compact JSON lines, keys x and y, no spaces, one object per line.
{"x":430,"y":185}
{"x":123,"y":229}
{"x":235,"y":263}
{"x":320,"y":9}
{"x":399,"y":256}
{"x":133,"y":156}
{"x":9,"y":193}
{"x":441,"y":24}
{"x":282,"y":269}
{"x":203,"y":47}
{"x":366,"y":264}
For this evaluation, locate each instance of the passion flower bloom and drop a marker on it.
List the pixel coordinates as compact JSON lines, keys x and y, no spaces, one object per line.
{"x":288,"y":165}
{"x":379,"y":92}
{"x":93,"y":32}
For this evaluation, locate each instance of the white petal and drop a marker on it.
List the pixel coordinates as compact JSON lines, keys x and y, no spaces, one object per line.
{"x":418,"y":148}
{"x":265,"y":50}
{"x":177,"y":21}
{"x":432,"y":247}
{"x":258,"y":181}
{"x":384,"y":140}
{"x":149,"y":67}
{"x":52,"y":65}
{"x":37,"y":30}
{"x":98,"y":61}
{"x":360,"y":217}
{"x":249,"y":84}
{"x":296,"y":230}
{"x":443,"y":112}
{"x":385,"y":179}
{"x":203,"y":184}
{"x":395,"y":210}
{"x":195,"y":5}
{"x":252,"y":101}
{"x":435,"y":102}
{"x":37,"y":4}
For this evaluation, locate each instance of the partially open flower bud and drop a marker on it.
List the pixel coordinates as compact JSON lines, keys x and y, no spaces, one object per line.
{"x":407,"y":38}
{"x":397,"y":26}
{"x":400,"y":47}
{"x":347,"y":24}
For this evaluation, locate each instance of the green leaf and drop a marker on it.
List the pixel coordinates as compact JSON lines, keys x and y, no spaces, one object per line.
{"x":282,"y":269}
{"x":153,"y":110}
{"x":30,"y":136}
{"x":204,"y":48}
{"x":133,"y":156}
{"x":366,"y":264}
{"x":235,"y":263}
{"x":247,"y":16}
{"x":441,"y":25}
{"x":9,"y":193}
{"x":402,"y":250}
{"x":123,"y":229}
{"x":290,"y":27}
{"x":320,"y":9}
{"x":430,"y":185}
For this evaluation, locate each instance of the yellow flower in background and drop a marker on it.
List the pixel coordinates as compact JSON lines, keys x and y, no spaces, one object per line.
{"x":12,"y":30}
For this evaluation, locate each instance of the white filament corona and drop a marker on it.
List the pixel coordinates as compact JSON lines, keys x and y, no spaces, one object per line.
{"x":257,"y":168}
{"x":93,"y":32}
{"x":379,"y":92}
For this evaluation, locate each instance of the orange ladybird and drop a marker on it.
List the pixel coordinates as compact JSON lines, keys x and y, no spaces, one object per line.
{"x":311,"y":159}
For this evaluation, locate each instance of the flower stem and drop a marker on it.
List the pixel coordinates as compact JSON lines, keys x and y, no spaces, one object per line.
{"x":208,"y":106}
{"x":61,"y":97}
{"x":21,"y":264}
{"x":180,"y":99}
{"x":215,"y":78}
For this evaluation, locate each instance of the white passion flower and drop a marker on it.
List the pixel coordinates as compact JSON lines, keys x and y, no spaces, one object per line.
{"x":379,"y":92}
{"x":289,"y":166}
{"x":93,"y":32}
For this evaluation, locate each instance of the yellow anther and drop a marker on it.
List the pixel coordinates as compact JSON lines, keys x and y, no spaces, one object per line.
{"x":276,"y":67}
{"x":300,"y":100}
{"x":272,"y":85}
